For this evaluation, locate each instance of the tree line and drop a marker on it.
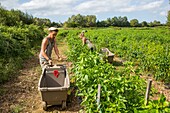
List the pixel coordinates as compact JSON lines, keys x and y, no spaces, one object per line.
{"x":91,"y":21}
{"x":17,"y":17}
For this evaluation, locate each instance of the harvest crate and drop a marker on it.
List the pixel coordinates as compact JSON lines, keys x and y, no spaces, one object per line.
{"x":108,"y":53}
{"x":53,"y":85}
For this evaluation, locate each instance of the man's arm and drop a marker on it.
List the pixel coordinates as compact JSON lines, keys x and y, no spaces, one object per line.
{"x":56,"y":50}
{"x":84,"y":40}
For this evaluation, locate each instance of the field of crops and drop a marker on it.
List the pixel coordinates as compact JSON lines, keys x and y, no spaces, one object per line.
{"x":121,"y":90}
{"x":149,"y":48}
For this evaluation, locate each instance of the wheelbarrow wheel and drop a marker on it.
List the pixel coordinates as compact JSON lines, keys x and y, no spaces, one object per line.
{"x":64,"y":105}
{"x":44,"y":106}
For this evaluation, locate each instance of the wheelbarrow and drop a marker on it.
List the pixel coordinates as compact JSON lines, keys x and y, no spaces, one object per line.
{"x":53,"y":86}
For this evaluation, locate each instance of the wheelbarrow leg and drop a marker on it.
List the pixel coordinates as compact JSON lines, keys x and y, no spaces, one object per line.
{"x":64,"y":105}
{"x":44,"y":105}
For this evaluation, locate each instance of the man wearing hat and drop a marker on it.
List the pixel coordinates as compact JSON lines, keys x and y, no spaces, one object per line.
{"x":48,"y":43}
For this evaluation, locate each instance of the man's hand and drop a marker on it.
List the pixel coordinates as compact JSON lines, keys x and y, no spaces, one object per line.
{"x":50,"y":62}
{"x":59,"y":58}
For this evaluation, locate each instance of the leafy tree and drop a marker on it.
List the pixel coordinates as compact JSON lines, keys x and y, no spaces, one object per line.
{"x":120,"y":21}
{"x":3,"y":14}
{"x":72,"y":21}
{"x":115,"y":21}
{"x":109,"y":22}
{"x":102,"y":23}
{"x":17,"y":17}
{"x":144,"y":24}
{"x":151,"y":24}
{"x":13,"y":17}
{"x":134,"y":23}
{"x":156,"y":23}
{"x":78,"y":19}
{"x":57,"y":24}
{"x":81,"y":21}
{"x":168,"y":18}
{"x":42,"y":21}
{"x":90,"y":20}
{"x":124,"y":22}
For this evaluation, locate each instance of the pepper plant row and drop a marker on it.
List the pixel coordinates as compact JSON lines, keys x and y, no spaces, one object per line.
{"x":121,"y":90}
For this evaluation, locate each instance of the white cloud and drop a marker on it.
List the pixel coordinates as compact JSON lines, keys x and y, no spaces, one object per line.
{"x":48,"y":8}
{"x":39,"y":4}
{"x":9,"y":4}
{"x":152,"y":5}
{"x":99,"y":6}
{"x":143,"y":6}
{"x":163,"y":13}
{"x":128,"y":9}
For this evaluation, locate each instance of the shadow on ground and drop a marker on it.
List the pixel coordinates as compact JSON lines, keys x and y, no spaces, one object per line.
{"x":117,"y":63}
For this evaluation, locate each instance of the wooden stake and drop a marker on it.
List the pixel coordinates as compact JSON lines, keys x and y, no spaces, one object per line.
{"x":149,"y":83}
{"x":98,"y":94}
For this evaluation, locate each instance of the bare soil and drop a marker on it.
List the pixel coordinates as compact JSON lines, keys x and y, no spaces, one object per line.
{"x":159,"y":87}
{"x":21,"y":93}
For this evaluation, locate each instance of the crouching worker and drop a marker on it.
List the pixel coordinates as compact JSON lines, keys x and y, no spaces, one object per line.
{"x":86,"y":41}
{"x":48,"y":43}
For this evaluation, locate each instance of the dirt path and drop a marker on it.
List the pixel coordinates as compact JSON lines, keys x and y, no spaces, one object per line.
{"x":21,"y":94}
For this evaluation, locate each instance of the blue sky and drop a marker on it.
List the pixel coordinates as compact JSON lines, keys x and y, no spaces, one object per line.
{"x":60,"y":10}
